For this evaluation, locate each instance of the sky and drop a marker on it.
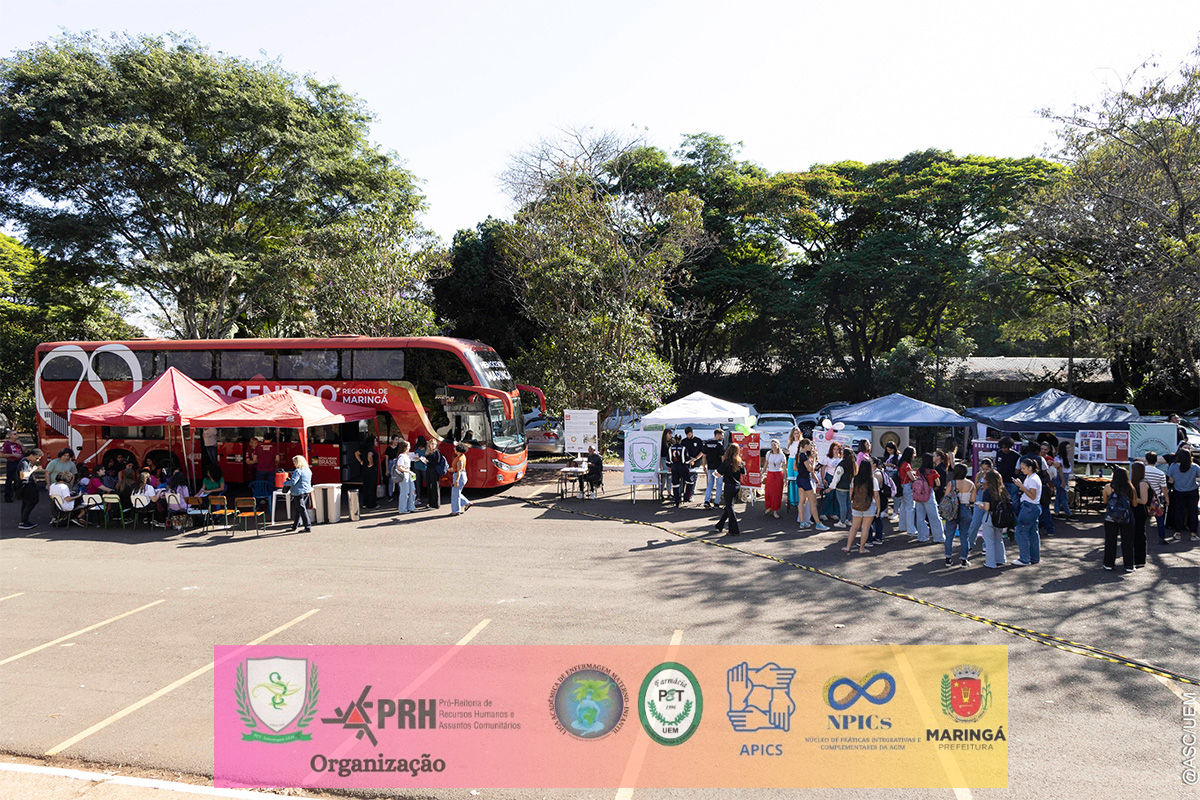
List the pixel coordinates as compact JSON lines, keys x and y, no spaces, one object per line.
{"x":459,"y":88}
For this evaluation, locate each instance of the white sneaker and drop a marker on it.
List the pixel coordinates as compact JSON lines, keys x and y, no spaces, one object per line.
{"x":581,"y":495}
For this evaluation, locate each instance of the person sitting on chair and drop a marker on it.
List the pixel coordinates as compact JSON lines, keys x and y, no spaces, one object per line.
{"x":593,"y":477}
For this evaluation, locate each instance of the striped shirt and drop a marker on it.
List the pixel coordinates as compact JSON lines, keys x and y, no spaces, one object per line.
{"x":1156,"y":478}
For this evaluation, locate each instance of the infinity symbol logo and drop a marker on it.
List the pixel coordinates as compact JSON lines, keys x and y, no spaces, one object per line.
{"x":862,"y":690}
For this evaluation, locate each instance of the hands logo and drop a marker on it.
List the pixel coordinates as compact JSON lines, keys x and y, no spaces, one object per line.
{"x":760,"y":699}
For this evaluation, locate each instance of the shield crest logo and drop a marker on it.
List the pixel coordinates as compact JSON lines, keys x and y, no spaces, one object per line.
{"x":277,"y":689}
{"x":966,"y":696}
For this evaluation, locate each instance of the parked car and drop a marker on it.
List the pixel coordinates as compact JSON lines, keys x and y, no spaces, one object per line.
{"x":774,"y":425}
{"x":620,"y":418}
{"x":545,"y":435}
{"x":1123,"y":407}
{"x":809,"y":420}
{"x":1189,"y":428}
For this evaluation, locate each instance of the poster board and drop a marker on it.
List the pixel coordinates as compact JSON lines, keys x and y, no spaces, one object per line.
{"x":1102,"y":447}
{"x":580,"y":429}
{"x":824,"y":437}
{"x":882,"y":434}
{"x":751,"y":455}
{"x":641,"y":458}
{"x":1160,"y":437}
{"x":981,"y":450}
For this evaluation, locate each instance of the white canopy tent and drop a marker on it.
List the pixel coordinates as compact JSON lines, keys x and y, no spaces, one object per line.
{"x":699,"y":410}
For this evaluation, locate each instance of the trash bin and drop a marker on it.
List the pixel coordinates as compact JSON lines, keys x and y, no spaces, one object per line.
{"x":318,"y":505}
{"x":352,"y":504}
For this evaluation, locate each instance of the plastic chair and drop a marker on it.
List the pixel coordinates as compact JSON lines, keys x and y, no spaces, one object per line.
{"x":261,"y":490}
{"x":218,"y":509}
{"x":596,"y":482}
{"x":112,"y":502}
{"x":248,"y":510}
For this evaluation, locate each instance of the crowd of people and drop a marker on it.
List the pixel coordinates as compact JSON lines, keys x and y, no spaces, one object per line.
{"x":1013,"y":498}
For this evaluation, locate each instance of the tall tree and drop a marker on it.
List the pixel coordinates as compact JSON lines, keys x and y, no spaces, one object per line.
{"x":182,"y":171}
{"x":887,"y":249}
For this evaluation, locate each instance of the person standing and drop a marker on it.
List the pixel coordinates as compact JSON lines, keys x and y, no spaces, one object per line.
{"x":267,"y":456}
{"x":714,"y":451}
{"x":693,"y":456}
{"x":405,"y":481}
{"x":1062,"y":484}
{"x":960,"y":522}
{"x":885,"y":487}
{"x":13,"y":454}
{"x":864,"y":505}
{"x":773,"y":485}
{"x":1158,"y":484}
{"x":806,"y":508}
{"x":436,"y":468}
{"x":64,"y":463}
{"x":458,"y":480}
{"x":925,"y":510}
{"x":793,"y":447}
{"x":843,"y":476}
{"x":1029,"y":490}
{"x":732,"y":470}
{"x":208,"y":436}
{"x":368,"y":462}
{"x":994,"y":501}
{"x":1006,"y":464}
{"x":420,"y":468}
{"x":299,"y":486}
{"x":29,"y":488}
{"x":1184,"y":479}
{"x":1142,"y":494}
{"x":1118,"y":497}
{"x":389,"y":459}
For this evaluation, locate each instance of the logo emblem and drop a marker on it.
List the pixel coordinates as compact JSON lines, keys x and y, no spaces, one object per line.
{"x":589,"y":702}
{"x":841,"y":692}
{"x":356,"y":717}
{"x":670,"y":703}
{"x":760,"y":699}
{"x":967,"y":696}
{"x":279,"y":694}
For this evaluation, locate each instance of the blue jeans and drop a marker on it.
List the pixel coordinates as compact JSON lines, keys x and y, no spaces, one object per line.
{"x":993,"y":544}
{"x":408,"y":495}
{"x":1060,"y":495}
{"x":904,"y":509}
{"x":927,"y":512}
{"x":712,"y":487}
{"x":1014,"y":494}
{"x":977,"y":515}
{"x":960,"y":525}
{"x":876,"y":534}
{"x":843,"y":501}
{"x":1046,"y":520}
{"x":1029,"y":541}
{"x":457,"y":504}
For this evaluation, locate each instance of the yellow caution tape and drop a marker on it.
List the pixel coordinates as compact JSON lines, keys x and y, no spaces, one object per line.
{"x":1025,"y":633}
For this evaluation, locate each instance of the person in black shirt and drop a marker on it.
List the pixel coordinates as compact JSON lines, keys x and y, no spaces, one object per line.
{"x":680,"y":473}
{"x":593,"y":476}
{"x":732,"y":470}
{"x":714,"y":451}
{"x":693,"y":455}
{"x":1006,"y":465}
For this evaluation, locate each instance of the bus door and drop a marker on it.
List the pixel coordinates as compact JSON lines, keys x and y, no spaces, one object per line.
{"x":468,"y":423}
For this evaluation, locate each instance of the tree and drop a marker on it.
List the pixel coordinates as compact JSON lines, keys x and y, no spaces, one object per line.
{"x":1119,"y":235}
{"x":45,"y":301}
{"x":593,"y":265}
{"x":889,"y":249}
{"x":182,"y":171}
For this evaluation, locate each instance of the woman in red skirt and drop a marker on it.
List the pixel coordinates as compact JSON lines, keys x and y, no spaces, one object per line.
{"x":773,"y":486}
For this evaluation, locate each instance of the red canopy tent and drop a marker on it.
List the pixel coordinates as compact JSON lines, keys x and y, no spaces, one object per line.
{"x":171,"y":399}
{"x":284,"y":408}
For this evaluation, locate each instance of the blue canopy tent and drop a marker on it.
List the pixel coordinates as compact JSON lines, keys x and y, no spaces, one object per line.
{"x":900,"y":410}
{"x":1052,"y":411}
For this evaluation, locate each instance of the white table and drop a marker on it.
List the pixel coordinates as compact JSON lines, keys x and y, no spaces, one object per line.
{"x":275,"y":497}
{"x":327,"y":504}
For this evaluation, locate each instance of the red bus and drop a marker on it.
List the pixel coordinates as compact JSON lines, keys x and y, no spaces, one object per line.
{"x":447,"y":390}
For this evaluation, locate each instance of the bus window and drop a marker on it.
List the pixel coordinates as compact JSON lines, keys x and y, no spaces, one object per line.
{"x":62,"y":368}
{"x":245,"y":365}
{"x":112,"y":366}
{"x":196,"y":364}
{"x":385,"y":365}
{"x":308,"y":365}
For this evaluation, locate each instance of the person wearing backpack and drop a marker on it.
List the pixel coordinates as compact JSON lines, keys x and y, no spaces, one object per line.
{"x":843,"y":476}
{"x":1143,"y":493}
{"x":864,"y":506}
{"x":437,"y":466}
{"x":886,"y":489}
{"x":1118,"y":500}
{"x":1029,"y":487}
{"x":956,"y":506}
{"x":904,"y":479}
{"x":925,"y":481}
{"x":997,"y":509}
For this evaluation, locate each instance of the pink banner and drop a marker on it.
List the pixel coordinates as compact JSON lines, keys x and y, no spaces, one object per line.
{"x":605,"y":717}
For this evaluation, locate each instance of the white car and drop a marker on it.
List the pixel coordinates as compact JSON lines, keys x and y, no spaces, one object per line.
{"x":620,"y":419}
{"x":774,"y":426}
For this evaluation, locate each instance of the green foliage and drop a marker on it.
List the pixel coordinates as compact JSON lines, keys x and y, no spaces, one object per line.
{"x":180,"y":170}
{"x":45,"y":301}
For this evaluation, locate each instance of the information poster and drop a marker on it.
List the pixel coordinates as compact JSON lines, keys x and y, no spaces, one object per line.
{"x":580,"y":429}
{"x":1102,"y":447}
{"x":981,"y":450}
{"x":424,"y":717}
{"x":1145,"y":437}
{"x":749,"y":442}
{"x":641,"y":458}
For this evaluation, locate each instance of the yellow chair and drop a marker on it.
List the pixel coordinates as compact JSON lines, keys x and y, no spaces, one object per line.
{"x":218,"y":509}
{"x":247,"y":510}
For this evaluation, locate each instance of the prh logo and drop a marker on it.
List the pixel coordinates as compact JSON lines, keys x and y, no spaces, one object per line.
{"x":670,"y":703}
{"x":967,"y":696}
{"x":280,"y":694}
{"x":405,"y":713}
{"x":841,"y":693}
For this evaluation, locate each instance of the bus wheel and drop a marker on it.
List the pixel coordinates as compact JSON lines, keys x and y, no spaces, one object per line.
{"x":164,"y":459}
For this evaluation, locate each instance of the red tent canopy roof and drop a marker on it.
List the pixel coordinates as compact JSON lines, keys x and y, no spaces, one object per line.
{"x":284,"y":408}
{"x":170,"y":399}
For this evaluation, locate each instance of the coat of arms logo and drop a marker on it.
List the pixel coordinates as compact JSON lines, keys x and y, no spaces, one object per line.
{"x":278,"y":694}
{"x":967,"y":695}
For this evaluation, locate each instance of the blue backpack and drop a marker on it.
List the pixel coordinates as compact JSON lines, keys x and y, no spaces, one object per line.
{"x":1118,"y":509}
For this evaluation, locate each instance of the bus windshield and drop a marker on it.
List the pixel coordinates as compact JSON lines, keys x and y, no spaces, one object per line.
{"x":508,"y":435}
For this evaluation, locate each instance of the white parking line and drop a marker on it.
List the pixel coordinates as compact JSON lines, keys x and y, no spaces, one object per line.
{"x":33,"y":650}
{"x":634,"y":765}
{"x":167,"y":689}
{"x":122,"y":780}
{"x":11,"y":596}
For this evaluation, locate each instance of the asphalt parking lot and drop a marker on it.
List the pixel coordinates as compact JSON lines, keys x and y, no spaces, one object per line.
{"x":106,"y":636}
